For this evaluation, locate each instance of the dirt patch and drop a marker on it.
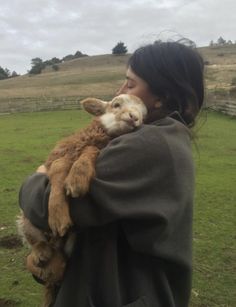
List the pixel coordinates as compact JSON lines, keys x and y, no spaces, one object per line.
{"x":28,"y":159}
{"x":7,"y":303}
{"x":10,"y":242}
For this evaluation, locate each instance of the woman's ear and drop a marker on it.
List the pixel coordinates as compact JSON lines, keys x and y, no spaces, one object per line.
{"x":94,"y":106}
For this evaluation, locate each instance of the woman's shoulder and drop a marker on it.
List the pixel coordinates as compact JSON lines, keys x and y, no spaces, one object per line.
{"x":158,"y":133}
{"x":158,"y":141}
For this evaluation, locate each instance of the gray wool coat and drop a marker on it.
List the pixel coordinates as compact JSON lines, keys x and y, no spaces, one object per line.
{"x":134,"y":227}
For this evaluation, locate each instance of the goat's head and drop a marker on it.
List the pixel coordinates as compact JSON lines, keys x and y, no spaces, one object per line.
{"x":120,"y":115}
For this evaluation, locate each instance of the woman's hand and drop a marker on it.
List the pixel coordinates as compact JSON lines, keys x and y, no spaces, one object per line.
{"x":41,"y":169}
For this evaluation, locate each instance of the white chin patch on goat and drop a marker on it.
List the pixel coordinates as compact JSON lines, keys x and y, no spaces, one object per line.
{"x":114,"y":127}
{"x":108,"y":121}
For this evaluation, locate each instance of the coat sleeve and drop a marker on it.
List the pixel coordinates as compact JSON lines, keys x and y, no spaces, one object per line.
{"x":33,"y":199}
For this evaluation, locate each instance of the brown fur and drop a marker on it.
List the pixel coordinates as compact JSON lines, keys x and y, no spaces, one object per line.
{"x":71,"y":168}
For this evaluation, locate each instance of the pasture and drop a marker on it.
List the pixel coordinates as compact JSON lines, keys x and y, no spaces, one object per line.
{"x":26,"y":139}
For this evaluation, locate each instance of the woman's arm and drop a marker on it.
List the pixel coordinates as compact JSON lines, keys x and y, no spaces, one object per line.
{"x":33,"y":199}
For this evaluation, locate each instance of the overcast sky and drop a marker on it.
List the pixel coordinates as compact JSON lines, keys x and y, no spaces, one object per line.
{"x":56,"y":28}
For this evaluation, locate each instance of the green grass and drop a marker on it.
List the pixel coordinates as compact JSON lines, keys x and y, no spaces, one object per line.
{"x":215,"y":214}
{"x":25,"y":142}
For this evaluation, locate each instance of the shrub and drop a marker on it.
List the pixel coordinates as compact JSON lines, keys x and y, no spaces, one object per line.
{"x":55,"y":67}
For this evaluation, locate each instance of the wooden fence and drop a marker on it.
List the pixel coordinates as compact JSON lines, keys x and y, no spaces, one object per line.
{"x":227,"y":107}
{"x":225,"y":103}
{"x":35,"y":104}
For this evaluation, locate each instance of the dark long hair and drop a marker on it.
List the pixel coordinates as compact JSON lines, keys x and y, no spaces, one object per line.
{"x":174,"y":72}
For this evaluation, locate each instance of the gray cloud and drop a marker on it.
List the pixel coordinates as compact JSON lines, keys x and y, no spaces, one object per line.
{"x":48,"y":28}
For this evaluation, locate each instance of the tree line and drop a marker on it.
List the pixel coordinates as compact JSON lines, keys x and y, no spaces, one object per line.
{"x":221,"y":42}
{"x":37,"y":64}
{"x":5,"y":73}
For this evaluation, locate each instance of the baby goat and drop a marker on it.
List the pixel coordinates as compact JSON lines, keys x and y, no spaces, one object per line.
{"x":70,"y":168}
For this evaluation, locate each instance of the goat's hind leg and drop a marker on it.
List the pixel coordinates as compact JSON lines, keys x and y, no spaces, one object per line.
{"x":82,"y":171}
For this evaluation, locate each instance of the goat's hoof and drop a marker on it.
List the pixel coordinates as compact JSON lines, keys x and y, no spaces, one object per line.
{"x":64,"y":229}
{"x":60,"y":228}
{"x":76,"y":189}
{"x":59,"y":219}
{"x":72,"y":190}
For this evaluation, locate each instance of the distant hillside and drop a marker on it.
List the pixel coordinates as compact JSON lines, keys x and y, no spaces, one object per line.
{"x":221,"y":66}
{"x":220,"y":76}
{"x":220,"y":55}
{"x":100,"y":76}
{"x":94,"y":75}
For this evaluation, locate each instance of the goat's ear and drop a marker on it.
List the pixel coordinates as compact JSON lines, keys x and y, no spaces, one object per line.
{"x":94,"y":106}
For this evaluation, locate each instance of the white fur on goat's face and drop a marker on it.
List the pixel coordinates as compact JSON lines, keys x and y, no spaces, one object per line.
{"x":123,"y":114}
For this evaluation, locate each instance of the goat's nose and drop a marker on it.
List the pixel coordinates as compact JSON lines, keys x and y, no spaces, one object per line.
{"x":133,"y":116}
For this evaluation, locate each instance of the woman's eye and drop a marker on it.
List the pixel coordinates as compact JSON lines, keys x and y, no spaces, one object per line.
{"x":129,"y":86}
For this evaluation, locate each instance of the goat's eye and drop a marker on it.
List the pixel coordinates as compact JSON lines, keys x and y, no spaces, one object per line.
{"x":116,"y":105}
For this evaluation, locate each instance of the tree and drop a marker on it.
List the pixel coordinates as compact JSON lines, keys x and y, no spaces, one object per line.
{"x":4,"y":73}
{"x":79,"y":54}
{"x":120,"y":48}
{"x":221,"y":41}
{"x":8,"y":73}
{"x":55,"y":67}
{"x":52,"y":61}
{"x":14,"y":74}
{"x":68,"y":57}
{"x":55,"y":60}
{"x":211,"y":44}
{"x":37,"y":66}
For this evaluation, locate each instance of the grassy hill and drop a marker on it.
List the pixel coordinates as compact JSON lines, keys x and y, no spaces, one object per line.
{"x":100,"y":76}
{"x":221,"y":68}
{"x":95,"y":75}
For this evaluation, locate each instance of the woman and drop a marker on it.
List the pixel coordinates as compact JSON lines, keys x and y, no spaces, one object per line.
{"x":135,"y":226}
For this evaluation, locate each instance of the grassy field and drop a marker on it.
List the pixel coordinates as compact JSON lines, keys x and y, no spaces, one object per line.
{"x":215,"y":213}
{"x":25,"y":142}
{"x":27,"y":138}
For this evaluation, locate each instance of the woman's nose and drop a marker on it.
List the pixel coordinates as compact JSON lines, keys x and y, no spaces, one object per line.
{"x":121,"y":90}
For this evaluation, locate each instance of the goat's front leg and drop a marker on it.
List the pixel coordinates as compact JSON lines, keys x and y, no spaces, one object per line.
{"x":82,"y":171}
{"x":58,"y":208}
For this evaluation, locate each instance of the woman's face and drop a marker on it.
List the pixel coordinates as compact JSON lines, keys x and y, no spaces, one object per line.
{"x":134,"y":85}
